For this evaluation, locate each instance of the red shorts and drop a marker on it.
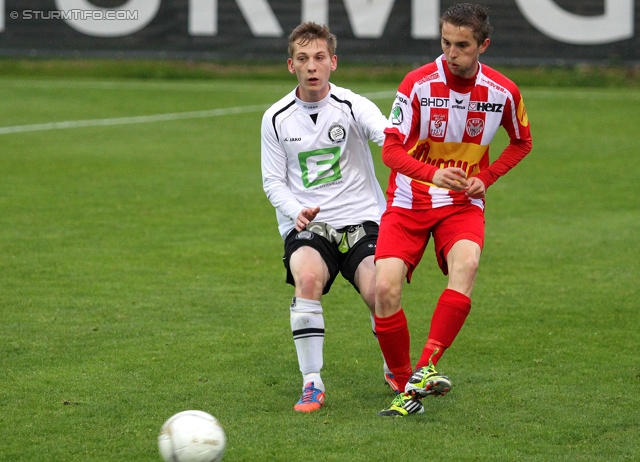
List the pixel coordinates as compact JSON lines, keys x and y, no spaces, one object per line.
{"x":405,"y":233}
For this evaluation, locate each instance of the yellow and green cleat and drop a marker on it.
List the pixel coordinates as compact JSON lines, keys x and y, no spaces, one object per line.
{"x":426,"y":381}
{"x":403,"y":405}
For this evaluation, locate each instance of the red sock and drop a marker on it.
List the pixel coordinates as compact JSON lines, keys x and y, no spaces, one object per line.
{"x":449,"y":316}
{"x":393,"y":336}
{"x":433,"y":350}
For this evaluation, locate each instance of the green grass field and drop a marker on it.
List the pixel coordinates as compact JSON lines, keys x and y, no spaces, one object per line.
{"x":141,"y":275}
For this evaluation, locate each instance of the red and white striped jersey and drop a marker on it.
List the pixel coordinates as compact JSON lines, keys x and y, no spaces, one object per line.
{"x":443,"y":120}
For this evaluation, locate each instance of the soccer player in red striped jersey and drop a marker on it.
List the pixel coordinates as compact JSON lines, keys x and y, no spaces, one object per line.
{"x":443,"y":119}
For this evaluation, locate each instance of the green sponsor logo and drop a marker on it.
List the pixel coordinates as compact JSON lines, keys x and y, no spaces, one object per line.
{"x":320,"y":166}
{"x":396,"y":115}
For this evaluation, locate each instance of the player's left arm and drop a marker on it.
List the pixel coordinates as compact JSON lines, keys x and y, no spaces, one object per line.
{"x":371,"y":120}
{"x":516,"y":122}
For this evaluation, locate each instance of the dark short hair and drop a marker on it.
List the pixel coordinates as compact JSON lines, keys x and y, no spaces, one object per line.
{"x":471,"y":15}
{"x":309,"y":31}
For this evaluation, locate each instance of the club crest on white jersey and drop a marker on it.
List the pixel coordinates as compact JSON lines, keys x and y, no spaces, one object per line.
{"x":337,"y":133}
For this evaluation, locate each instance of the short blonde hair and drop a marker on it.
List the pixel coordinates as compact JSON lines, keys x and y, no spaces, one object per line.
{"x":309,"y":31}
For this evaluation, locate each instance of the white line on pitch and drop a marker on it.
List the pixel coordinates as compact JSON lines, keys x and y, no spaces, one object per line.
{"x":150,"y":118}
{"x":130,"y":120}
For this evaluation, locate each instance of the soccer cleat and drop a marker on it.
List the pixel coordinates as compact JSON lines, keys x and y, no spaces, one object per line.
{"x":391,"y":381}
{"x":311,"y":400}
{"x":426,"y":381}
{"x":403,"y":405}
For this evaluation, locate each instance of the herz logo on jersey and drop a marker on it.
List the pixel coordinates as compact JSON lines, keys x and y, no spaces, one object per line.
{"x":320,"y":166}
{"x":479,"y":106}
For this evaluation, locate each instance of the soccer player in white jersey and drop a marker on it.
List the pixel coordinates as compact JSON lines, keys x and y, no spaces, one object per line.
{"x":318,"y":173}
{"x":443,"y":119}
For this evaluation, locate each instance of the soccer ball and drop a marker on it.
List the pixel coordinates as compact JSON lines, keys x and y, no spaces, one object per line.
{"x":192,"y":436}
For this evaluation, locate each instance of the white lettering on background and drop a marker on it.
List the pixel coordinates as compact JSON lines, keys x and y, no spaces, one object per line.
{"x":615,"y":24}
{"x":203,"y":17}
{"x":368,"y":18}
{"x":146,"y":11}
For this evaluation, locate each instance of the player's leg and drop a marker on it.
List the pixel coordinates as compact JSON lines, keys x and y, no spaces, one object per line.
{"x":459,"y":246}
{"x":364,"y":280}
{"x":310,"y":275}
{"x":448,"y":318}
{"x":312,"y":266}
{"x":387,"y":375}
{"x":390,"y":321}
{"x":393,"y":334}
{"x":403,"y":236}
{"x":460,"y":258}
{"x":454,"y":303}
{"x":463,"y":260}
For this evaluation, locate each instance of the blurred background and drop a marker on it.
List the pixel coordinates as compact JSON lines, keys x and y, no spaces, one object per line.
{"x":527,"y":32}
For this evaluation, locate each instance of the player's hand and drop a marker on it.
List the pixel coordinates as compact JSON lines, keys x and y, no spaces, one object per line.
{"x":451,"y":178}
{"x":305,"y":217}
{"x":476,"y":189}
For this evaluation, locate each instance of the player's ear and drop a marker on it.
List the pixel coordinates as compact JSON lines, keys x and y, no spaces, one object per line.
{"x":484,"y":45}
{"x":290,"y":66}
{"x":334,"y":62}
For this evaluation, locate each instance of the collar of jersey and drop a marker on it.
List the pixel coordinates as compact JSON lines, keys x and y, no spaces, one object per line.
{"x":313,"y":108}
{"x":456,"y":83}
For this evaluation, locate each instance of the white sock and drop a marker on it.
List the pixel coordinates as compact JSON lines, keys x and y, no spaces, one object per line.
{"x":307,"y":327}
{"x":315,"y":378}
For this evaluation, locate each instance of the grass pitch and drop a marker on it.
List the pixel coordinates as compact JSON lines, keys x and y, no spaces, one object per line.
{"x":140,"y":275}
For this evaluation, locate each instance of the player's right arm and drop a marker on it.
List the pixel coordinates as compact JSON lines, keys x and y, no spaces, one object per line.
{"x":403,"y":131}
{"x":396,"y":157}
{"x":273,"y":161}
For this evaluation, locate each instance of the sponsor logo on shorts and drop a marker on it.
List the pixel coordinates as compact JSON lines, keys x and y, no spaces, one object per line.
{"x":304,"y":234}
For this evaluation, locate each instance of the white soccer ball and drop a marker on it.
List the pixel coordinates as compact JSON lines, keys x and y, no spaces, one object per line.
{"x":192,"y":436}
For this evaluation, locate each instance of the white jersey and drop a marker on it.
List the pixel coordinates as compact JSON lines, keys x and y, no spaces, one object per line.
{"x":317,"y":154}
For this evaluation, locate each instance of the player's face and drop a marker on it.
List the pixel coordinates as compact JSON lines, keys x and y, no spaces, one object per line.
{"x":312,"y":64}
{"x":461,"y":50}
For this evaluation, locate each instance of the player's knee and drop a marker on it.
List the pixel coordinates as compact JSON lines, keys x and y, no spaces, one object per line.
{"x":368,"y":293}
{"x":471,"y":264}
{"x":386,"y":290}
{"x":466,"y":266}
{"x":308,"y":284}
